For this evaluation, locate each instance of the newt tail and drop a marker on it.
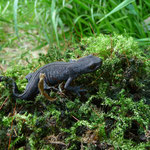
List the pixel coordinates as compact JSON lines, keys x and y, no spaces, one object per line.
{"x":15,"y":90}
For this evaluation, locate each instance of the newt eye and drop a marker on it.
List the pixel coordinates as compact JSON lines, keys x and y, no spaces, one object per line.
{"x":92,"y":67}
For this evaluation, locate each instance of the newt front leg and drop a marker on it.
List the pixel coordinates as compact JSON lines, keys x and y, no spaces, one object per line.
{"x":76,"y":89}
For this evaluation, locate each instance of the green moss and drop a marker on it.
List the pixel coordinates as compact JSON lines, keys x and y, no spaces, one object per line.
{"x":114,"y":113}
{"x":105,"y":46}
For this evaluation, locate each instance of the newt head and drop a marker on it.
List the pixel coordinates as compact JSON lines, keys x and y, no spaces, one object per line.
{"x":87,"y":64}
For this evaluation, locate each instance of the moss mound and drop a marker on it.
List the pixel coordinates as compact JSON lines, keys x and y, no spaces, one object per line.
{"x":113,"y":114}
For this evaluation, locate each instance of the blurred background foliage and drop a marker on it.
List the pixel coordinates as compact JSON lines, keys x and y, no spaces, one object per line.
{"x":55,"y":21}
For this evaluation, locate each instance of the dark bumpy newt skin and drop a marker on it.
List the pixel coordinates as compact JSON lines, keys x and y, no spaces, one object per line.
{"x":57,"y":72}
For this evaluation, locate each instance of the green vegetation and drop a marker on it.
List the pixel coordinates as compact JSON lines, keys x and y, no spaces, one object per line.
{"x":115,"y":112}
{"x":52,"y":21}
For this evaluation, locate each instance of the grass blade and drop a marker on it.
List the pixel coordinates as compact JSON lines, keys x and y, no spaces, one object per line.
{"x":15,"y":17}
{"x":54,"y":18}
{"x":5,"y":7}
{"x":143,"y":41}
{"x":120,"y":6}
{"x":4,"y":20}
{"x":83,"y":5}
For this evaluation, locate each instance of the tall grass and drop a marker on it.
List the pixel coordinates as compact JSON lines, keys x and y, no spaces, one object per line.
{"x":58,"y":19}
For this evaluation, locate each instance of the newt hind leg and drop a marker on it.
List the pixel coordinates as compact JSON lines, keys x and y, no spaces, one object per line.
{"x":41,"y":87}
